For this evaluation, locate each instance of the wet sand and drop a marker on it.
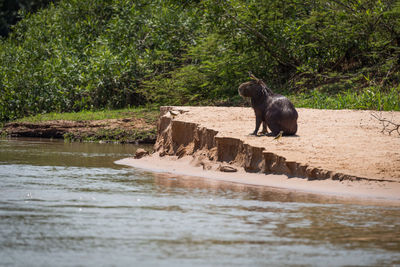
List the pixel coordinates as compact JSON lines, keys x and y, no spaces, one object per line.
{"x":370,"y":191}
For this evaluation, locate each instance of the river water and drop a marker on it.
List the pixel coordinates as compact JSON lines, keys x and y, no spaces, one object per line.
{"x":68,"y":204}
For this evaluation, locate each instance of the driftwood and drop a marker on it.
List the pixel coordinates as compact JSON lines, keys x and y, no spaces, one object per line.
{"x":388,"y":125}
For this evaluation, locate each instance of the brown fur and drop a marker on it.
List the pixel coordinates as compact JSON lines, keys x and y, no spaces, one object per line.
{"x":272,"y":110}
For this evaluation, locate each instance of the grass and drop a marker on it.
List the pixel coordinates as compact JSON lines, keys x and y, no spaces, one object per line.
{"x":370,"y":98}
{"x":150,"y":114}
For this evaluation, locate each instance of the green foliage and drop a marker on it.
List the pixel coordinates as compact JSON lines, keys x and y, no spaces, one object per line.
{"x":373,"y":97}
{"x":83,"y":55}
{"x":107,"y":54}
{"x":213,"y":73}
{"x":9,"y":11}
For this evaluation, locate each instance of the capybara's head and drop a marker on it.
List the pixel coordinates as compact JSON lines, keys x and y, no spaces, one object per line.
{"x":251,"y":89}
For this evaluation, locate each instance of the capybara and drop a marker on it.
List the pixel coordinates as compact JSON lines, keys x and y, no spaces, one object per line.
{"x":273,"y":110}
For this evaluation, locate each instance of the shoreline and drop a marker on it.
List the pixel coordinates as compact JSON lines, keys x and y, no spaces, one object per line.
{"x":356,"y":161}
{"x":370,"y":192}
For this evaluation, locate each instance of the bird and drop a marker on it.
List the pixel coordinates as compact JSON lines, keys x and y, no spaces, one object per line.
{"x":278,"y":136}
{"x":174,"y":113}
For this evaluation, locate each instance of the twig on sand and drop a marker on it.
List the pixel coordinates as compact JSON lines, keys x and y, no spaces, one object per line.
{"x":388,"y":125}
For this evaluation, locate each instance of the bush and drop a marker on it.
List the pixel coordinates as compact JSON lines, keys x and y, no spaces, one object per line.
{"x":87,"y":55}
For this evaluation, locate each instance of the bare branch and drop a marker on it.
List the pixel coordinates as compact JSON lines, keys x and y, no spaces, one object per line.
{"x":388,"y":125}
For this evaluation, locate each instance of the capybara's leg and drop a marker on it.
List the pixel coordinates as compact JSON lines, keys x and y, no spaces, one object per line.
{"x":274,"y":127}
{"x":258,"y":124}
{"x":265,"y":128}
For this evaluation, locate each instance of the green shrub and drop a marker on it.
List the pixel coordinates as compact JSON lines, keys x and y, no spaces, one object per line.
{"x":106,"y":54}
{"x":372,"y":98}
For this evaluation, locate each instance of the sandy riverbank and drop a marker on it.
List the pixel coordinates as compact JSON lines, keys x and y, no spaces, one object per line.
{"x":335,"y":152}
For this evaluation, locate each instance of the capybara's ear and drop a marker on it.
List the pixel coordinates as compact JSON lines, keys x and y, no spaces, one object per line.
{"x":260,"y":82}
{"x":252,"y":76}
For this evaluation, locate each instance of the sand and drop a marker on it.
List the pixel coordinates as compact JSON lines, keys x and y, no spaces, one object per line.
{"x":347,"y":142}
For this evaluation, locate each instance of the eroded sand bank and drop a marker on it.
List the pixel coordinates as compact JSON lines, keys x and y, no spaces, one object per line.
{"x":339,"y":152}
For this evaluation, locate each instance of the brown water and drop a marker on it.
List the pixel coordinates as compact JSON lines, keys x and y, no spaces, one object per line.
{"x":69,"y":204}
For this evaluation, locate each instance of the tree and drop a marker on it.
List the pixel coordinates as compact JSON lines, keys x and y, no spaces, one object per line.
{"x":9,"y":12}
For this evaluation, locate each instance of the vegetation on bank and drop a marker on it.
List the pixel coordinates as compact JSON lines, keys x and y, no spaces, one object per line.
{"x":122,"y":136}
{"x":9,"y":10}
{"x":149,"y":114}
{"x":372,"y":98}
{"x":111,"y":54}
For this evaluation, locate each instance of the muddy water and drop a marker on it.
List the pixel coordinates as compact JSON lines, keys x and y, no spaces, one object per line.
{"x":69,"y":204}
